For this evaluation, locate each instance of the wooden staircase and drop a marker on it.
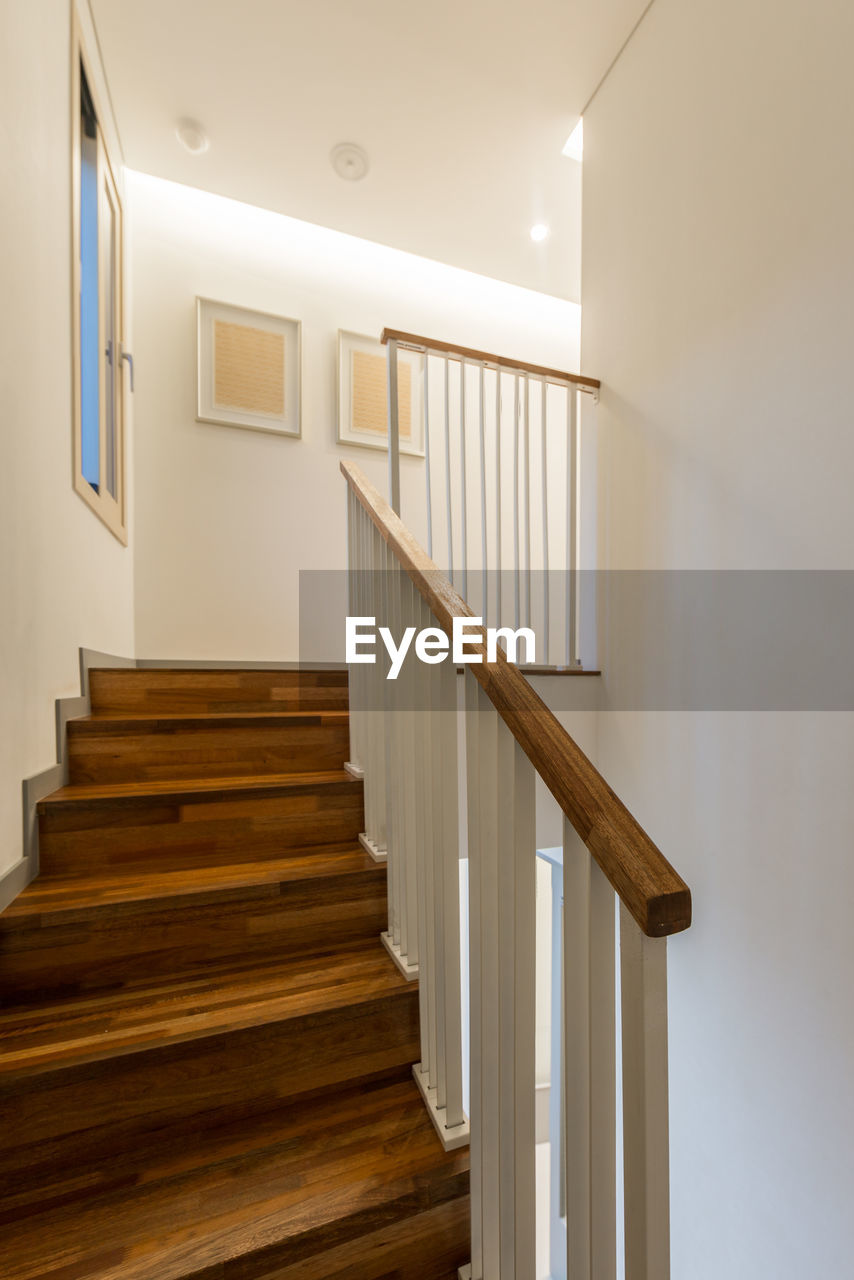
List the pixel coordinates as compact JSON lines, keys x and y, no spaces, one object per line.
{"x":205,"y":1052}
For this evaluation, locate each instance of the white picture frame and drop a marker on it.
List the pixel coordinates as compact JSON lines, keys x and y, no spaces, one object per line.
{"x":248,"y":369}
{"x":363,"y":397}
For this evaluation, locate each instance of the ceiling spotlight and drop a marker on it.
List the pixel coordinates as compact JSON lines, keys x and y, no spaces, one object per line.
{"x":192,"y":136}
{"x":574,"y":145}
{"x":349,"y":161}
{"x":539,"y":231}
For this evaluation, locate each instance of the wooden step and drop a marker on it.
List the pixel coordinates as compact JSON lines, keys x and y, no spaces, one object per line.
{"x":97,"y":1070}
{"x":351,"y":1186}
{"x":96,"y":930}
{"x":195,"y":823}
{"x":114,"y":691}
{"x":141,"y":748}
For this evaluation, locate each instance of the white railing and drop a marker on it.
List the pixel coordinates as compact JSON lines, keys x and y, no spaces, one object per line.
{"x":405,"y":738}
{"x":501,"y":501}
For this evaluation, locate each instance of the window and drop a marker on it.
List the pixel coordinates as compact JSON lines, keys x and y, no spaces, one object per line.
{"x":97,"y":315}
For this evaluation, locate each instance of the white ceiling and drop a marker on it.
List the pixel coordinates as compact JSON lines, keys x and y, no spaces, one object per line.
{"x":463,"y":107}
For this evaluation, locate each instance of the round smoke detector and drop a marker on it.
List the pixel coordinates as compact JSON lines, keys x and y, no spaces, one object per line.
{"x":349,"y":161}
{"x":192,"y":136}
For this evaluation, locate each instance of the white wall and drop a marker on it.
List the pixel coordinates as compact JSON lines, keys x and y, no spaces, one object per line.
{"x":718,"y":278}
{"x":225,"y":518}
{"x":64,"y":579}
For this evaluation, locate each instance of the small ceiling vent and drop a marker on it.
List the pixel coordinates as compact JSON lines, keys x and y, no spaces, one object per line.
{"x":349,"y":161}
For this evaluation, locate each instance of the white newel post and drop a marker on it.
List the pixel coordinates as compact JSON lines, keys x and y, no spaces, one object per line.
{"x":646,"y":1165}
{"x":502,"y":965}
{"x":589,"y":1064}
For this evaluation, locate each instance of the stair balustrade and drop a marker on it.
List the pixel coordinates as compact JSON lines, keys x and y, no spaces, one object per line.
{"x":502,"y":484}
{"x":430,"y":801}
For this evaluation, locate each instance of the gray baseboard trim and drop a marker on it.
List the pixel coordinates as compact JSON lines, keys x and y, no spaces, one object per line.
{"x":15,"y":881}
{"x":33,"y":789}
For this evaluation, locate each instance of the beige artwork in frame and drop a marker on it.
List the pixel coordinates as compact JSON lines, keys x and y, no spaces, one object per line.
{"x":248,"y":369}
{"x":363,"y":395}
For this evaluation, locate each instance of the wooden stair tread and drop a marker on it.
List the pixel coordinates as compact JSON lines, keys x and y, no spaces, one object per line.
{"x":189,"y":789}
{"x":77,"y":1029}
{"x":259,"y":1194}
{"x":152,"y":721}
{"x":55,"y":896}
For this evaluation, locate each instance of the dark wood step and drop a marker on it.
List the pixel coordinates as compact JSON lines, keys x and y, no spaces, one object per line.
{"x":97,"y":930}
{"x":225,"y":1041}
{"x":195,"y":823}
{"x":154,"y":690}
{"x":205,"y":1053}
{"x":355,"y":1185}
{"x":140,"y":748}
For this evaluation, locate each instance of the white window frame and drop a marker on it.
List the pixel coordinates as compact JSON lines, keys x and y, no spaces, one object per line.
{"x":110,"y":508}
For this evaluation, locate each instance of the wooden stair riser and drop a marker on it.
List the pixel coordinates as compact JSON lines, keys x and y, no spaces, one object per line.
{"x":108,"y":751}
{"x":239,"y":1072}
{"x":210,"y":832}
{"x":111,"y":1158}
{"x":432,"y":1245}
{"x":151,"y":691}
{"x":356,"y":1193}
{"x":106,"y":946}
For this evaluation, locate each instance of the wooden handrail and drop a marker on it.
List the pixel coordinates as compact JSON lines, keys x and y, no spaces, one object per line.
{"x":654,"y":893}
{"x":413,"y":342}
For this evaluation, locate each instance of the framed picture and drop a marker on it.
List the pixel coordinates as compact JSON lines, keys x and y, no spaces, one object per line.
{"x":247,"y":369}
{"x":363,"y":395}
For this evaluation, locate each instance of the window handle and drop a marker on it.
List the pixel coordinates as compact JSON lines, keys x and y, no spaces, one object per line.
{"x":126,"y":355}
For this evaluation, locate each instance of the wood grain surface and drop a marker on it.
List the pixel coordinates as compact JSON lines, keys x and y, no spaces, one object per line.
{"x":205,"y":1052}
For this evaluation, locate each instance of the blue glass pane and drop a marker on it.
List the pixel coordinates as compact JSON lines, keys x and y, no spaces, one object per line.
{"x":89,"y":346}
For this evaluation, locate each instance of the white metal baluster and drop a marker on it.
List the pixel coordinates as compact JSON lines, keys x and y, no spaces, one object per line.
{"x":646,"y":1175}
{"x":463,"y":484}
{"x":498,"y":618}
{"x":590,"y":1068}
{"x":475,"y":842}
{"x":571,"y":526}
{"x":449,"y":921}
{"x":393,"y":429}
{"x":484,"y":604}
{"x":426,"y":1071}
{"x":364,"y":605}
{"x":398,"y":943}
{"x":378,"y":719}
{"x":483,"y":873}
{"x":526,"y":445}
{"x":372,"y":839}
{"x":406,"y":683}
{"x":427,"y":454}
{"x":516,"y":929}
{"x":545,"y":470}
{"x":517,"y":550}
{"x":557,"y":1091}
{"x":384,"y":702}
{"x":353,"y":765}
{"x":448,"y":472}
{"x":435,"y":853}
{"x":439,"y":965}
{"x":355,"y":680}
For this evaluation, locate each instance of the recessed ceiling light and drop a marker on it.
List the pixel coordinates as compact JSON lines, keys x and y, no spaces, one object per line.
{"x":192,"y":136}
{"x":349,"y":161}
{"x":574,"y":145}
{"x":539,"y":231}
